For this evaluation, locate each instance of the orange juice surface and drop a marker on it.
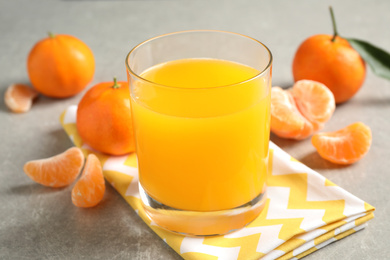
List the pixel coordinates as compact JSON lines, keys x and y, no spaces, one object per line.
{"x":202,"y":131}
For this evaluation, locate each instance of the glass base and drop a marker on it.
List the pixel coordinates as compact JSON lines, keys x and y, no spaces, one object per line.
{"x":200,"y":223}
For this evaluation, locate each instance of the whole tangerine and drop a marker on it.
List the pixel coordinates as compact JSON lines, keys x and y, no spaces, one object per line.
{"x":331,"y":60}
{"x":104,"y":120}
{"x":60,"y":66}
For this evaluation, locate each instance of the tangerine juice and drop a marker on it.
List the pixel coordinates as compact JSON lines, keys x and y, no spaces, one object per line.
{"x":202,"y":131}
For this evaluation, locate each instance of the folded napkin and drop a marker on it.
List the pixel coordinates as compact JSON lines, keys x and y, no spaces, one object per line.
{"x":303,"y":213}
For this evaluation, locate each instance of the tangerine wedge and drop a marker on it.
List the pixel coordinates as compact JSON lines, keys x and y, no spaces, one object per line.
{"x":345,"y":146}
{"x":89,"y":189}
{"x":314,"y":100}
{"x":286,"y":120}
{"x":57,"y":171}
{"x":300,"y":111}
{"x":18,"y":97}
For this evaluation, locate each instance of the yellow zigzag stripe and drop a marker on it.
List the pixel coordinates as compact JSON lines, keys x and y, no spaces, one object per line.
{"x":297,"y":182}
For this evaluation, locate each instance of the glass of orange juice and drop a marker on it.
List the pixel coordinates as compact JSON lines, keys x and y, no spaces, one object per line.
{"x":200,"y":102}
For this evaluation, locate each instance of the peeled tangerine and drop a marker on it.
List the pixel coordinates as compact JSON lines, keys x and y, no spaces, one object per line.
{"x":18,"y":97}
{"x":57,"y":171}
{"x":89,"y":189}
{"x":344,"y":146}
{"x":300,"y":111}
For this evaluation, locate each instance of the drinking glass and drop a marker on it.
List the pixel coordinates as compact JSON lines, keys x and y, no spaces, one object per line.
{"x":200,"y":103}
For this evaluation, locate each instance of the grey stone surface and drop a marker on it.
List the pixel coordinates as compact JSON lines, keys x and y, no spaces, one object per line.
{"x":41,"y":223}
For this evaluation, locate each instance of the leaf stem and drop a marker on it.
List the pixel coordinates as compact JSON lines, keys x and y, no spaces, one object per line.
{"x":51,"y":35}
{"x":116,"y":85}
{"x":335,"y":33}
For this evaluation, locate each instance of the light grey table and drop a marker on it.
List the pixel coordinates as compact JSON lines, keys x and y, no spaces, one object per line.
{"x":41,"y":223}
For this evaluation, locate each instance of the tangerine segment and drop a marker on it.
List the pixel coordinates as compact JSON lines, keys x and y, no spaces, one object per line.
{"x":57,"y":171}
{"x":89,"y":189}
{"x":344,"y":146}
{"x":314,"y":100}
{"x":286,"y":120}
{"x":298,"y":112}
{"x":18,"y":97}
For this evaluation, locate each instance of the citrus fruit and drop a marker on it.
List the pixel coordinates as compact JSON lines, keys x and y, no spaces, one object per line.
{"x":344,"y":146}
{"x":89,"y":189}
{"x":104,"y":119}
{"x":331,"y":60}
{"x":57,"y":171}
{"x":334,"y":63}
{"x":298,"y":112}
{"x":286,"y":120}
{"x":18,"y":97}
{"x":60,"y":66}
{"x":314,"y":100}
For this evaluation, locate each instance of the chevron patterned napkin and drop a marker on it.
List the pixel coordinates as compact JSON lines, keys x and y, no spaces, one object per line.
{"x":304,"y":211}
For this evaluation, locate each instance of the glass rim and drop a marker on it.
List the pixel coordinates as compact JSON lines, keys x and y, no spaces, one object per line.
{"x":198,"y":31}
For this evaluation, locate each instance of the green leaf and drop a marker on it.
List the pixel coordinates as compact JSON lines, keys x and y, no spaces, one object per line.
{"x":377,"y":59}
